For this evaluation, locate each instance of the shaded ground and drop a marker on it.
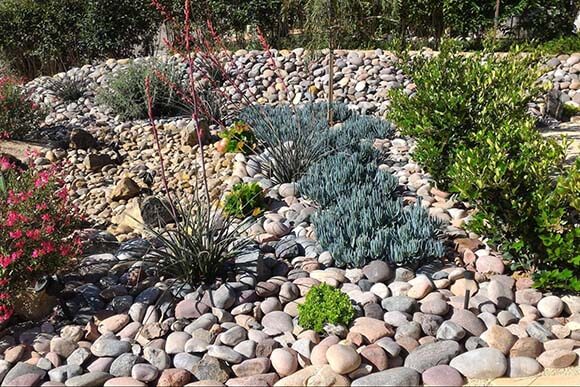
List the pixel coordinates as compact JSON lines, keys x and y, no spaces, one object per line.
{"x":572,"y":131}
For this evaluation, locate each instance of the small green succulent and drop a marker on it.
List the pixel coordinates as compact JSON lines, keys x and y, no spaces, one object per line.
{"x":325,"y":304}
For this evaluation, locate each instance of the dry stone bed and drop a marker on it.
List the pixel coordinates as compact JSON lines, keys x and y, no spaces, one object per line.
{"x":411,"y":327}
{"x":126,"y":326}
{"x":106,"y":152}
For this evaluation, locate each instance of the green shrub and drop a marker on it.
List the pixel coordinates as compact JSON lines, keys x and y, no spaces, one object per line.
{"x":237,"y":138}
{"x":125,"y":93}
{"x":501,"y":173}
{"x":245,"y":199}
{"x":325,"y":305}
{"x":562,"y":45}
{"x":44,"y":37}
{"x":571,"y":110}
{"x":508,"y":174}
{"x":558,"y":225}
{"x":456,"y":97}
{"x":541,"y":20}
{"x":18,"y":115}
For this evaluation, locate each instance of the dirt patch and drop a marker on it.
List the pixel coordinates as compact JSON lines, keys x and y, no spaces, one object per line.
{"x":20,"y":149}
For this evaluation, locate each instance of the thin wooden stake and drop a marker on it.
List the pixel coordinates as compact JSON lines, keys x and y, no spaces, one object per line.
{"x":330,"y":66}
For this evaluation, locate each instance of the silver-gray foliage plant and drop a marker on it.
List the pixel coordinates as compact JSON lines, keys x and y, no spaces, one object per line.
{"x":362,"y":218}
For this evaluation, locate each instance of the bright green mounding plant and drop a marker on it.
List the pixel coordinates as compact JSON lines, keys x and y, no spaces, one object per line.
{"x":325,"y":305}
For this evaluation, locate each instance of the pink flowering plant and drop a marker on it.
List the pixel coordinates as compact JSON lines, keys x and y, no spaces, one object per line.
{"x":18,"y":114}
{"x":36,"y":226}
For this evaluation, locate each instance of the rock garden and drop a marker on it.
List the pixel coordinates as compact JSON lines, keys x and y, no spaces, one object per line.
{"x":211,"y":219}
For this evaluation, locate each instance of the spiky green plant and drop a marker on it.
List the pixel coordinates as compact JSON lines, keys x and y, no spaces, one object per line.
{"x":68,"y":88}
{"x":291,"y":138}
{"x":296,"y":138}
{"x":199,"y":245}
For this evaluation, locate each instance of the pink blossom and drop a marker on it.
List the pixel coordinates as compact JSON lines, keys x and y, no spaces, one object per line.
{"x":42,"y":179}
{"x":33,"y":234}
{"x":15,"y":234}
{"x":5,"y":165}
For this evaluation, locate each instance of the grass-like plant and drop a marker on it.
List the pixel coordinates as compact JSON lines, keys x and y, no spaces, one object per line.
{"x":325,"y":305}
{"x":294,"y":138}
{"x":245,"y":199}
{"x":199,"y":245}
{"x":68,"y":88}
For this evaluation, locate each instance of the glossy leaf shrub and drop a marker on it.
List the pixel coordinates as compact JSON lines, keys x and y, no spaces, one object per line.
{"x":456,"y":97}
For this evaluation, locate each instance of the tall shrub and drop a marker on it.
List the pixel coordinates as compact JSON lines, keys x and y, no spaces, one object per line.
{"x":44,"y":37}
{"x":456,"y":97}
{"x":475,"y":135}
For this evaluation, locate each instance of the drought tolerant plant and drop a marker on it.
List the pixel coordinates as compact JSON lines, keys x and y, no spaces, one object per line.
{"x":245,"y":199}
{"x":369,"y":224}
{"x":203,"y":239}
{"x":296,"y":137}
{"x":342,"y":174}
{"x":357,"y":130}
{"x":325,"y":305}
{"x":237,"y":138}
{"x":18,"y":115}
{"x":456,"y":97}
{"x":125,"y":92}
{"x":68,"y":88}
{"x":292,"y":138}
{"x":36,"y":224}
